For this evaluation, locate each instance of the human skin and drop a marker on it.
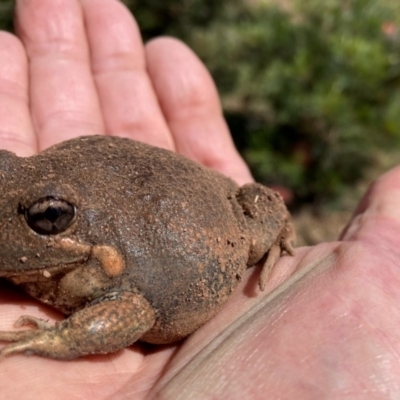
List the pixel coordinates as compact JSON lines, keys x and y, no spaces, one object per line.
{"x":326,"y":326}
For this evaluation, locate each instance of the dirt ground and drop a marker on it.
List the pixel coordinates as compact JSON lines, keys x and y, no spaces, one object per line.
{"x":325,"y":224}
{"x":324,"y":227}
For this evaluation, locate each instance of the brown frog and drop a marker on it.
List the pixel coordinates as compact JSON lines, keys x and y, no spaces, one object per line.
{"x":131,"y":241}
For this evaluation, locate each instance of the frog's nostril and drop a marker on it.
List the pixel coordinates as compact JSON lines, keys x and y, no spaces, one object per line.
{"x":50,"y":215}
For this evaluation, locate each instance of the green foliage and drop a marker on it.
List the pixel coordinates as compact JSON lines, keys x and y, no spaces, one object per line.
{"x":310,"y":95}
{"x":178,"y":17}
{"x":6,"y":15}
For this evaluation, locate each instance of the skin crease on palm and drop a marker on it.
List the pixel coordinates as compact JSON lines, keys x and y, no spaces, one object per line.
{"x":327,"y":325}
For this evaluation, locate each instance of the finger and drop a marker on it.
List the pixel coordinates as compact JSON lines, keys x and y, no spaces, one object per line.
{"x":378,"y":214}
{"x":128,"y":101}
{"x":64,"y":101}
{"x":16,"y":131}
{"x":191,"y":106}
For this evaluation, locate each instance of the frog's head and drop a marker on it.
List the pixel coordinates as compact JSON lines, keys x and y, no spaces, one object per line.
{"x":40,"y":219}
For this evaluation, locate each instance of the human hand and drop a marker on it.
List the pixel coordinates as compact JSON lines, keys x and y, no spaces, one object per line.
{"x":328,"y":331}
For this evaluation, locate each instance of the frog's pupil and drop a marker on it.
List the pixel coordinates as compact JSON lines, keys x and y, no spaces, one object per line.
{"x":52,"y":213}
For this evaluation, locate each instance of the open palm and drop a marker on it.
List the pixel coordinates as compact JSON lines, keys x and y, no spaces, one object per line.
{"x":327,"y":325}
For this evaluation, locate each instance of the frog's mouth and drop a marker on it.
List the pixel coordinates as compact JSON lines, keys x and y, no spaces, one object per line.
{"x":38,"y":274}
{"x":77,"y":255}
{"x":63,"y":256}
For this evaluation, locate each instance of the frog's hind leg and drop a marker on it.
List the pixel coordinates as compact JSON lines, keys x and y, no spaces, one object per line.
{"x":283,"y":243}
{"x":111,"y":323}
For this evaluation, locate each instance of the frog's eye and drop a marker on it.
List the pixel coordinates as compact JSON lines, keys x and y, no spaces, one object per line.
{"x":50,"y":215}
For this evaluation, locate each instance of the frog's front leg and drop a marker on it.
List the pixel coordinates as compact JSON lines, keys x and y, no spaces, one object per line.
{"x":111,"y":323}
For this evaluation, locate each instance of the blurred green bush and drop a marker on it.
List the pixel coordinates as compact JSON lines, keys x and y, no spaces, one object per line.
{"x":6,"y":13}
{"x":311,"y":93}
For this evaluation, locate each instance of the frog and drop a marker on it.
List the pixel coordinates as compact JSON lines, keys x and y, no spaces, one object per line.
{"x":131,"y":242}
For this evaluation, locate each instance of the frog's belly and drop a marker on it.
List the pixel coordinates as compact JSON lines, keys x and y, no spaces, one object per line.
{"x":188,"y":307}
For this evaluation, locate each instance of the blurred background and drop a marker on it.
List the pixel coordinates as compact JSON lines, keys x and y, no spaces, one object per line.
{"x":310,"y":90}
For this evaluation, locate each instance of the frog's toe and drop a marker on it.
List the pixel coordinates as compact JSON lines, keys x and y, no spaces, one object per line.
{"x":28,"y":320}
{"x":36,"y":341}
{"x":284,"y":243}
{"x":288,"y":239}
{"x":15,"y":336}
{"x":21,"y":346}
{"x":272,"y":257}
{"x":22,"y":335}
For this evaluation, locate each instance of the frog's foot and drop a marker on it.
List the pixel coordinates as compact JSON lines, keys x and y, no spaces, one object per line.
{"x":283,"y":243}
{"x":111,"y":323}
{"x":25,"y":320}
